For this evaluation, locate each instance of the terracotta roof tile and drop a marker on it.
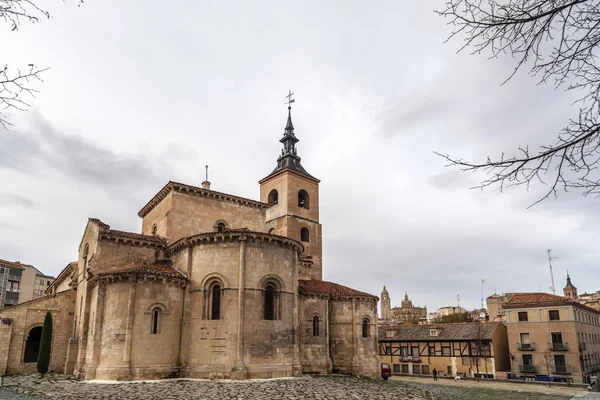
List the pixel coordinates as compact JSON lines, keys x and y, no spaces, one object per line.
{"x":519,"y":298}
{"x":136,"y":236}
{"x":159,"y":268}
{"x":453,"y":331}
{"x":328,"y":288}
{"x":11,"y":264}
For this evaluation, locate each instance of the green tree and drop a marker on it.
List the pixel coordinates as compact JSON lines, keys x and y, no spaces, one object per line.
{"x":45,"y":345}
{"x":456,"y":317}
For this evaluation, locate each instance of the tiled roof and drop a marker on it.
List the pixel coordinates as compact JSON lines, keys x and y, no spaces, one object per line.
{"x":520,"y":298}
{"x":328,"y":288}
{"x":158,"y":268}
{"x":136,"y":236}
{"x":182,"y":187}
{"x":11,"y":264}
{"x":523,"y":300}
{"x":445,"y":332}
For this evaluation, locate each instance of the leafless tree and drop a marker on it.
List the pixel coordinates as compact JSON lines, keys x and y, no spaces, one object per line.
{"x":18,"y":85}
{"x":558,"y":41}
{"x":547,"y":362}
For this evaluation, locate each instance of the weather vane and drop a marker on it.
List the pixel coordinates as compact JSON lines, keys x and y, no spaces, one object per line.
{"x":290,"y":100}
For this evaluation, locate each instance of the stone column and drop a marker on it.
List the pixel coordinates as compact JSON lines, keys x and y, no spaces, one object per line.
{"x":96,"y":337}
{"x":296,"y":366}
{"x":186,"y":315}
{"x":129,"y":328}
{"x":354,"y":363}
{"x":329,"y":364}
{"x":239,"y":370}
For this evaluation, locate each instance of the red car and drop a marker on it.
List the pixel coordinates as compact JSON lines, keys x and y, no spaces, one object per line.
{"x":386,"y":371}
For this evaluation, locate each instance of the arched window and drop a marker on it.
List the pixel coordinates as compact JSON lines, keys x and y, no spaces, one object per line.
{"x":154,"y":230}
{"x":304,"y":235}
{"x":269,"y":302}
{"x":315,"y":326}
{"x":32,"y":345}
{"x":155,"y":318}
{"x":86,"y":252}
{"x":212,"y":299}
{"x":215,"y":306}
{"x":365,"y":328}
{"x":303,"y":199}
{"x":273,"y":197}
{"x":220,"y":226}
{"x":272,"y":231}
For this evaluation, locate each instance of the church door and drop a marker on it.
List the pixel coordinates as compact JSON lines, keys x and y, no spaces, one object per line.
{"x":32,"y":345}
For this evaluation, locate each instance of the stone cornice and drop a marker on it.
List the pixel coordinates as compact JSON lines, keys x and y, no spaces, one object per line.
{"x":110,"y":279}
{"x":291,"y":171}
{"x":295,"y":216}
{"x":132,"y":239}
{"x":232,"y":236}
{"x":197,"y":191}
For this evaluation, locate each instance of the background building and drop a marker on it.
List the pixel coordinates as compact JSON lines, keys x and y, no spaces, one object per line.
{"x":21,"y":282}
{"x":554,"y":335}
{"x":495,"y":306}
{"x":407,"y":312}
{"x":467,"y":349}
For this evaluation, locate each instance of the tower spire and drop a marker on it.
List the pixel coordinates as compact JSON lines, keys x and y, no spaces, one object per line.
{"x":288,"y":158}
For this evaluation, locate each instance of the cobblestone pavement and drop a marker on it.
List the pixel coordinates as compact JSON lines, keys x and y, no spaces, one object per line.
{"x":317,"y":388}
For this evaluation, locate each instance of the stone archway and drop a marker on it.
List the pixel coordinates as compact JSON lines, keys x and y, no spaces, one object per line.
{"x":32,"y":345}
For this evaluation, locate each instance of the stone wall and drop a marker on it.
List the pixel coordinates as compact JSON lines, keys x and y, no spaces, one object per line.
{"x":314,"y":349}
{"x":27,"y":316}
{"x":188,"y":214}
{"x":267,"y":348}
{"x":352,"y":353}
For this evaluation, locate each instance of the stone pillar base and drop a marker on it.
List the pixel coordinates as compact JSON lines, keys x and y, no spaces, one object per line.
{"x":296,"y":369}
{"x":239,"y":373}
{"x":72,"y":349}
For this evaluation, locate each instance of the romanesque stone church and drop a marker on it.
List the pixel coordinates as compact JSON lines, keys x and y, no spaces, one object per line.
{"x":214,"y":286}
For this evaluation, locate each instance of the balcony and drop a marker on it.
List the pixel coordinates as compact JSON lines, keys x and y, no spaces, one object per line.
{"x":16,"y":278}
{"x":582,"y":346}
{"x":410,"y":358}
{"x":11,"y":302}
{"x":526,"y":346}
{"x":12,"y":290}
{"x":561,"y":369}
{"x":558,"y":347}
{"x":527,"y":368}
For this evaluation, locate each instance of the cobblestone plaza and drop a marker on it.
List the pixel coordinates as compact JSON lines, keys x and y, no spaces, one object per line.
{"x":334,"y":387}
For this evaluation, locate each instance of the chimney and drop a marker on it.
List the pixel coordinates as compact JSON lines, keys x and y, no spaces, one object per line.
{"x":206,"y":185}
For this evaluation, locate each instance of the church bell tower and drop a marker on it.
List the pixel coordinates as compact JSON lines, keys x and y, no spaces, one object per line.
{"x":385,"y":304}
{"x":293,"y":194}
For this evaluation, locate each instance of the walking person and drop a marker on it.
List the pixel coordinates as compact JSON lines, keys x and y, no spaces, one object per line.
{"x":435,"y":374}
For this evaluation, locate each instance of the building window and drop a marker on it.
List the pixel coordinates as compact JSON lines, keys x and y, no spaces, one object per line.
{"x":365,"y":328}
{"x":155,"y":317}
{"x":304,"y":235}
{"x":212,"y":300}
{"x":269,"y":302}
{"x":154,"y":230}
{"x":433,"y":332}
{"x":389,"y":333}
{"x":396,"y":368}
{"x":388,"y":350}
{"x":523,"y":316}
{"x":220,"y":227}
{"x":445,"y":351}
{"x":525,"y":341}
{"x":559,"y":364}
{"x":554,"y":315}
{"x":416,"y":369}
{"x":272,"y":231}
{"x":432,"y":351}
{"x":403,"y":351}
{"x":315,"y":326}
{"x":425,"y":369}
{"x":405,"y":368}
{"x":273,"y":197}
{"x":527,"y":359}
{"x":303,"y":199}
{"x":215,"y":302}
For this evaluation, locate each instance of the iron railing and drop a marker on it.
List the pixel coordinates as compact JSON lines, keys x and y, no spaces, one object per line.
{"x":527,"y":368}
{"x":526,"y":346}
{"x":558,"y":347}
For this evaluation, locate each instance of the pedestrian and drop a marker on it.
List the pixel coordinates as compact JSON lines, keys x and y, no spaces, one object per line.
{"x":435,"y":374}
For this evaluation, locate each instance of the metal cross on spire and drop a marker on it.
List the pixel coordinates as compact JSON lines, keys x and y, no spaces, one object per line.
{"x":290,"y":100}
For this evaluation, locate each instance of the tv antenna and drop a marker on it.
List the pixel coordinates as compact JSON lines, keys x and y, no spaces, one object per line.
{"x":550,"y":258}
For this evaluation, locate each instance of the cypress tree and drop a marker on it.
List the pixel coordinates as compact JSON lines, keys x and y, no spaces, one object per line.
{"x":45,"y":345}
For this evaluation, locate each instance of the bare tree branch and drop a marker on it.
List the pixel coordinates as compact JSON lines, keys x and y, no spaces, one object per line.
{"x":558,"y":40}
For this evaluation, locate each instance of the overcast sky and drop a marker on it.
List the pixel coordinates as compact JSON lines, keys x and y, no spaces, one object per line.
{"x":140,"y":93}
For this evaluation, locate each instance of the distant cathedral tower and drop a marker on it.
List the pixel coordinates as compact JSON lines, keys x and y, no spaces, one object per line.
{"x":570,"y":291}
{"x":385,"y":304}
{"x":294,"y":196}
